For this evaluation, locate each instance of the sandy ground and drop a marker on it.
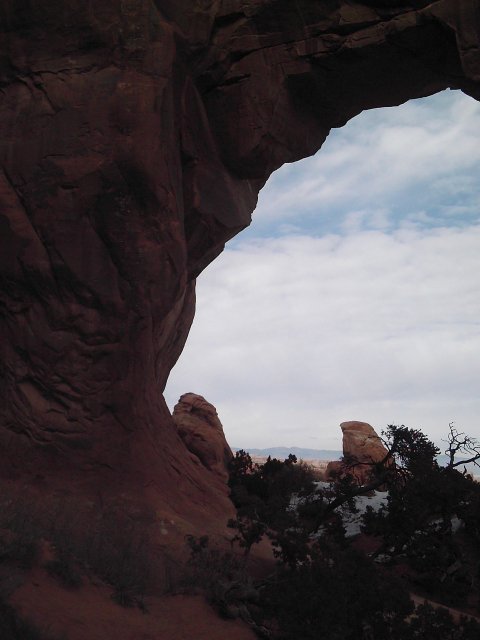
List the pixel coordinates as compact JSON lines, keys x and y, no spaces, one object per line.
{"x":89,"y":613}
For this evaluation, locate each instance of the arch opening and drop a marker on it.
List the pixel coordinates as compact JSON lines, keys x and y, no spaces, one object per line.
{"x":353,"y":295}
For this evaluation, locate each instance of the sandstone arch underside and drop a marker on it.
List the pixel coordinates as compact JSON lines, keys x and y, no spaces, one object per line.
{"x":135,"y":136}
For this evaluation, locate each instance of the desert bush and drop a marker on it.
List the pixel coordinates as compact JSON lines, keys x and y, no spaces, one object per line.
{"x":249,"y":532}
{"x":221,"y":575}
{"x":428,"y":623}
{"x":113,"y":547}
{"x":19,"y":529}
{"x":416,"y":522}
{"x":13,"y":627}
{"x":210,"y":565}
{"x":265,"y":490}
{"x":336,"y":594}
{"x":17,"y":549}
{"x":63,"y":568}
{"x":291,"y":546}
{"x":262,"y":494}
{"x":119,"y":552}
{"x":324,"y":589}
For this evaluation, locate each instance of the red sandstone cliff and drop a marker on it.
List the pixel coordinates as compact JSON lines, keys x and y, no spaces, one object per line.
{"x":135,"y":136}
{"x":134,"y":139}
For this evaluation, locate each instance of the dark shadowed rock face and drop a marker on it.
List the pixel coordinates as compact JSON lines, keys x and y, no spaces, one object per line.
{"x":135,"y":136}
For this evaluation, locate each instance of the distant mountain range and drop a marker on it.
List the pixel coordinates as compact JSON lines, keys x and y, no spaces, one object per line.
{"x":300,"y":452}
{"x":327,"y":454}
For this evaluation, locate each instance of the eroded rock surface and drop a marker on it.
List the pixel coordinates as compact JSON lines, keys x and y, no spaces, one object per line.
{"x":200,"y":429}
{"x":134,"y":138}
{"x":362,"y":443}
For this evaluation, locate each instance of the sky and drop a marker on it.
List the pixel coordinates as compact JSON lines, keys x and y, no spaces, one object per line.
{"x":354,"y":294}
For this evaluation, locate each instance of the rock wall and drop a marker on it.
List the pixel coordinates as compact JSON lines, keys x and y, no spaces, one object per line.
{"x":134,"y":138}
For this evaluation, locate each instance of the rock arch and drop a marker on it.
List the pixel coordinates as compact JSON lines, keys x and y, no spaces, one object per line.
{"x":135,"y":139}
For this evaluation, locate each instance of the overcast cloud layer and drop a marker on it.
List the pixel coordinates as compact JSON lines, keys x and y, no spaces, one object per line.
{"x":416,"y":164}
{"x":354,"y":295}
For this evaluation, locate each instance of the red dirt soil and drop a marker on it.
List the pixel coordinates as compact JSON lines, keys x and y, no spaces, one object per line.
{"x":90,"y":613}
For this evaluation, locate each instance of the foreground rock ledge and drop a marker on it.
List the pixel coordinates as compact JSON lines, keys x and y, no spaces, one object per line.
{"x":135,"y":136}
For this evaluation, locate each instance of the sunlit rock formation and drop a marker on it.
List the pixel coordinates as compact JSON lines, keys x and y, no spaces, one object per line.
{"x":135,"y":136}
{"x":362,"y":448}
{"x":362,"y":443}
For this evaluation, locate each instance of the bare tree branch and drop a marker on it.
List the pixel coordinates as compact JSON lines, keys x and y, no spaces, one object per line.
{"x":459,"y":442}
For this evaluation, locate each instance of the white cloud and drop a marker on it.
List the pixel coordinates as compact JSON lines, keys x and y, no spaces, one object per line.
{"x":366,"y":218}
{"x":367,"y":305}
{"x":385,"y":159}
{"x":296,"y":334}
